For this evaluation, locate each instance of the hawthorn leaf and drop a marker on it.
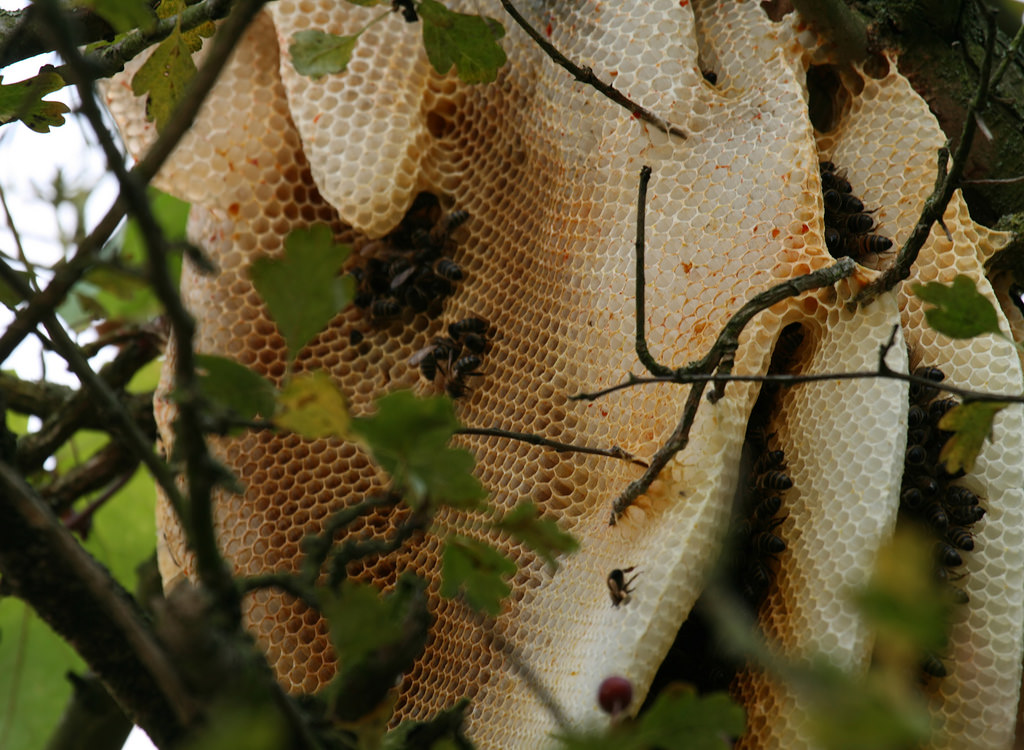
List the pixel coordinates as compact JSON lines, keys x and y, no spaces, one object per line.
{"x":476,"y":570}
{"x":164,"y":77}
{"x":961,"y":311}
{"x":542,"y":535}
{"x":316,"y":53}
{"x":235,"y":387}
{"x":24,"y":101}
{"x":409,"y":437}
{"x":971,"y":424}
{"x":469,"y":42}
{"x":303,"y":289}
{"x":311,"y":405}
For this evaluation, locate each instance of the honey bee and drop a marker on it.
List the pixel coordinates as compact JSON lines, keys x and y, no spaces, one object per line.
{"x":937,"y":517}
{"x":426,"y":360}
{"x":769,"y":460}
{"x":448,"y":269}
{"x":857,"y":223}
{"x":956,"y":495}
{"x":448,"y":224}
{"x":619,"y":588}
{"x":965,"y":514}
{"x":932,"y":665}
{"x":867,"y":244}
{"x":916,"y":456}
{"x":385,"y":308}
{"x":767,"y":544}
{"x":466,"y":366}
{"x":773,"y":480}
{"x":468,"y":325}
{"x":947,"y":555}
{"x":960,"y":538}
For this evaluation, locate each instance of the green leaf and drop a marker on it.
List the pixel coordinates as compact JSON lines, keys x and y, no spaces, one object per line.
{"x":360,"y":619}
{"x":312,"y":406}
{"x":961,"y":311}
{"x":124,"y":15}
{"x":24,"y":101}
{"x":167,"y":72}
{"x":235,"y":387}
{"x":118,"y":292}
{"x":303,"y":289}
{"x":376,"y":637}
{"x":971,"y":424}
{"x":682,"y":720}
{"x":408,"y":437}
{"x":542,"y":535}
{"x":316,"y":53}
{"x":34,"y":662}
{"x":164,"y":77}
{"x":477,"y":571}
{"x":240,"y":725}
{"x":468,"y":42}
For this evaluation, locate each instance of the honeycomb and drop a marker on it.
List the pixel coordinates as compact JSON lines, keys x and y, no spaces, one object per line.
{"x":548,"y":171}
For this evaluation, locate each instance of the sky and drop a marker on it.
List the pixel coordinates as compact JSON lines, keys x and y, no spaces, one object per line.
{"x":29,"y":163}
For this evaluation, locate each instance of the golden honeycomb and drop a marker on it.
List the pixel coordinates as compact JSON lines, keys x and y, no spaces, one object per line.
{"x":548,"y":171}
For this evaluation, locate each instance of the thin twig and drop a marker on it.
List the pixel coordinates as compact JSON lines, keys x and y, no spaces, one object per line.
{"x":643,"y":353}
{"x":678,"y":440}
{"x":586,"y":75}
{"x":945,"y":183}
{"x":1011,"y":52}
{"x":527,"y":437}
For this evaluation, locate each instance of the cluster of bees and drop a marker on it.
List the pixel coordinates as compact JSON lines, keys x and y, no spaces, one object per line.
{"x":457,"y":356}
{"x":848,"y":225}
{"x":411,"y":270}
{"x":755,"y":543}
{"x":929,"y":496}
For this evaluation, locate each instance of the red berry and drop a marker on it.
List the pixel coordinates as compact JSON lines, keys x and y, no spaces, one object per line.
{"x":615,"y":695}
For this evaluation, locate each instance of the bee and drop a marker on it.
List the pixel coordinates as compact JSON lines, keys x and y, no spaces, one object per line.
{"x":826,"y":166}
{"x":466,"y":366}
{"x":767,"y":508}
{"x":833,"y":200}
{"x":912,"y":498}
{"x":404,"y":271}
{"x":834,"y":242}
{"x":916,"y":456}
{"x":965,"y":514}
{"x":468,"y":325}
{"x":446,"y":349}
{"x":448,"y":224}
{"x":947,"y":555}
{"x":619,"y":588}
{"x":769,"y":460}
{"x":757,"y":580}
{"x":767,"y":544}
{"x":929,"y":486}
{"x":956,"y":495}
{"x":384,"y":308}
{"x":867,"y":244}
{"x":920,"y":393}
{"x":849,"y":203}
{"x":407,"y":9}
{"x":773,"y":480}
{"x":932,"y":665}
{"x":857,"y":224}
{"x":937,"y":409}
{"x":834,"y":181}
{"x":960,"y":538}
{"x":915,"y":416}
{"x":937,"y":517}
{"x":448,"y":269}
{"x":426,"y":360}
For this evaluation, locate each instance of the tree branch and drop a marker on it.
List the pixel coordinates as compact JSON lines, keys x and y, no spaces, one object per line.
{"x":44,"y":565}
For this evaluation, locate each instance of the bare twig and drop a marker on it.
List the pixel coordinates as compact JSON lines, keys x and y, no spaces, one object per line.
{"x":1011,"y":52}
{"x":586,"y":75}
{"x":642,"y":352}
{"x":945,"y":184}
{"x":532,"y":439}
